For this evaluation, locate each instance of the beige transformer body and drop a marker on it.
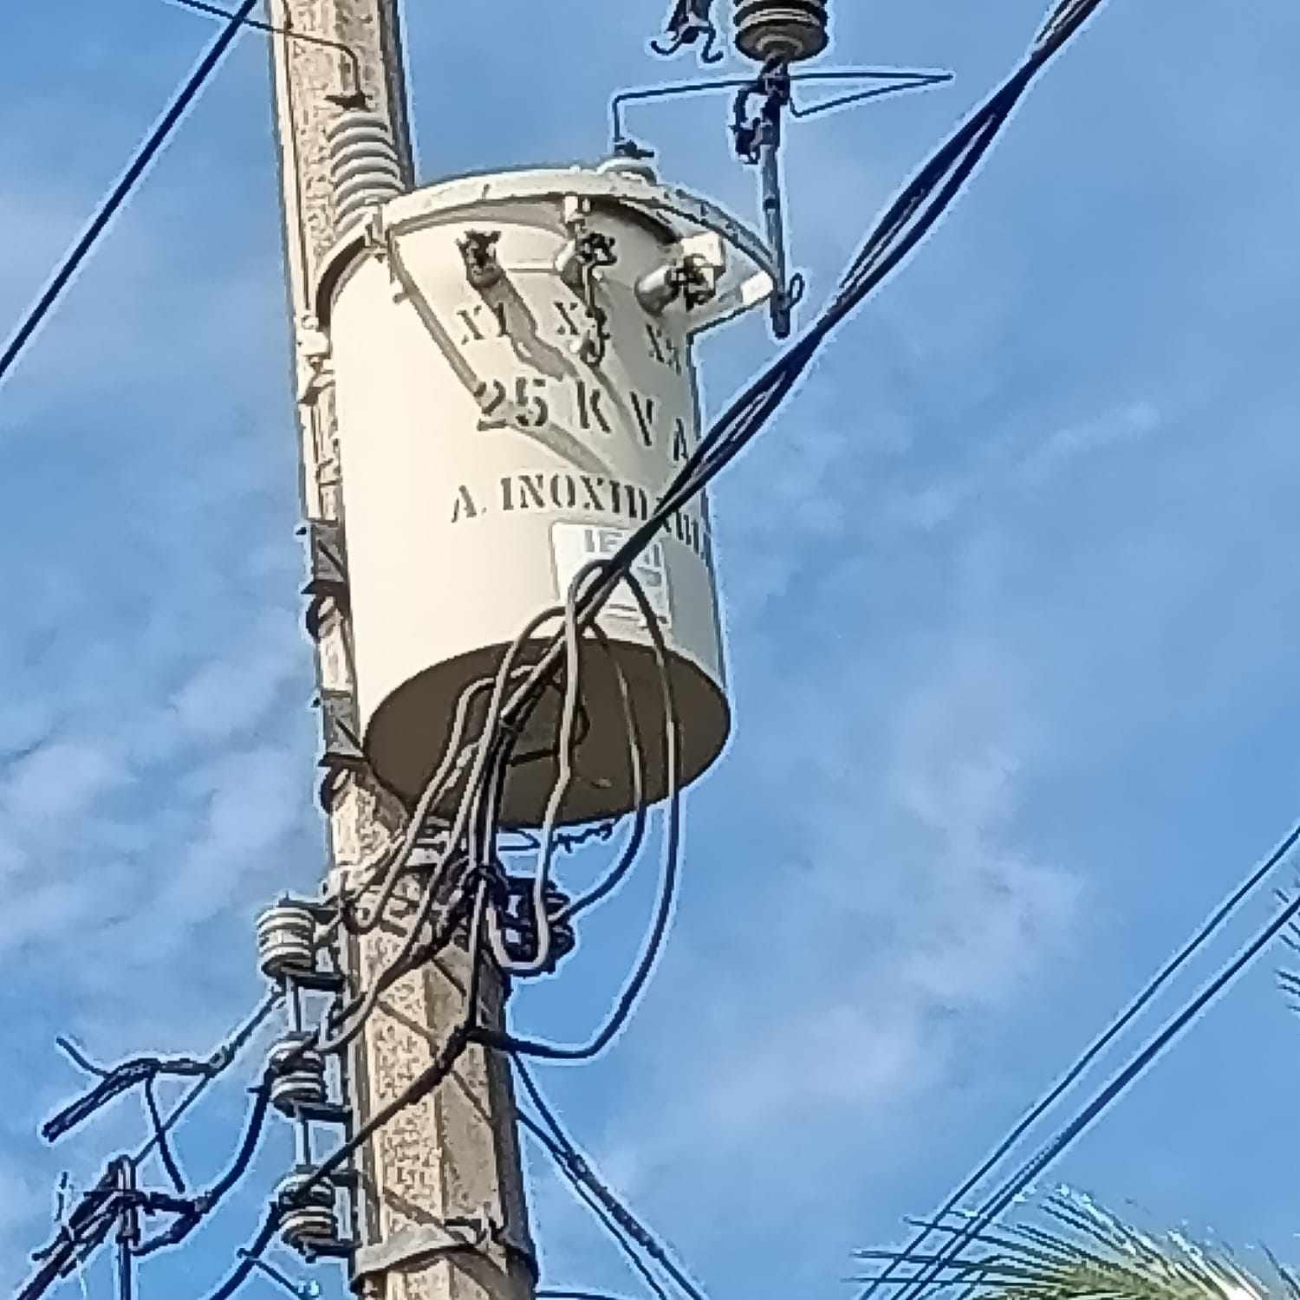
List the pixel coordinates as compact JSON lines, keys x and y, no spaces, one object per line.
{"x":513,"y":373}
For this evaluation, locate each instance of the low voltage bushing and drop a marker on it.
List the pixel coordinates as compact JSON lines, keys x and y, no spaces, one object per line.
{"x":298,"y":1075}
{"x":286,"y":940}
{"x":309,"y":1226}
{"x":785,"y":30}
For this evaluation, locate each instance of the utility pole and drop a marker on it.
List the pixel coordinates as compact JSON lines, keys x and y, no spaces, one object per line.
{"x":440,"y":1212}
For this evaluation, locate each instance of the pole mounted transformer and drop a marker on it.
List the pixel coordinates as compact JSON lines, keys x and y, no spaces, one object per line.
{"x":515,"y":386}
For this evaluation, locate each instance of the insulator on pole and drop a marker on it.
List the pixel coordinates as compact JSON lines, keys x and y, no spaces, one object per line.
{"x":363,"y":164}
{"x":786,"y":31}
{"x":308,"y":1225}
{"x":286,"y":940}
{"x":298,"y":1075}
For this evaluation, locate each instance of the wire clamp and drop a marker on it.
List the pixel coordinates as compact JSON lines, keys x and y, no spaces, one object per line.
{"x":580,"y":264}
{"x":420,"y":1243}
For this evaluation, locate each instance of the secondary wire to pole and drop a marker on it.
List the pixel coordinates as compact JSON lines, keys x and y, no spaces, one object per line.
{"x":137,"y":167}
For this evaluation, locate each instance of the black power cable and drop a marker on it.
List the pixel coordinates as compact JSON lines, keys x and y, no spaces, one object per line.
{"x":671,"y":864}
{"x":895,"y":235}
{"x":444,"y":1061}
{"x":575,"y":1167}
{"x":137,"y":167}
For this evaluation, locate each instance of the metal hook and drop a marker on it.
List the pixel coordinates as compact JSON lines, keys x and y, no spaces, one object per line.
{"x":354,"y":98}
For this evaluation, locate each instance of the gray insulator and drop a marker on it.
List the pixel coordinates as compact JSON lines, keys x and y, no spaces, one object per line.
{"x":299,"y":1075}
{"x":363,"y":164}
{"x":313,"y":1224}
{"x":789,"y":30}
{"x":286,"y":940}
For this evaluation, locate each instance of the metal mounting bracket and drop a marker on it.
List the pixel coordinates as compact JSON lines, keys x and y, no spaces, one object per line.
{"x":342,"y":727}
{"x":327,"y":561}
{"x":418,"y":1243}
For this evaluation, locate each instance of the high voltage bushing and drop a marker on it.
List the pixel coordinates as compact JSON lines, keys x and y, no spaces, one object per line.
{"x":298,"y":1075}
{"x":363,"y":164}
{"x":784,"y":30}
{"x":309,"y":1221}
{"x":286,"y":940}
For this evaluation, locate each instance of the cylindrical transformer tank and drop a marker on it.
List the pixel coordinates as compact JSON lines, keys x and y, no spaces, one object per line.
{"x":515,"y":385}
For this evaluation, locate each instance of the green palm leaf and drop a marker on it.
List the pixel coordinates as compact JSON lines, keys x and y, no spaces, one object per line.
{"x":1082,"y":1252}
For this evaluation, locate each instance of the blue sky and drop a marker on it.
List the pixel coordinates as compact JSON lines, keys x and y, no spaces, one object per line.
{"x":1011,"y":601}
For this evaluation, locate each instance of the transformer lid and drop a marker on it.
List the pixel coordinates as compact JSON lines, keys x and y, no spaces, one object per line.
{"x":677,"y":213}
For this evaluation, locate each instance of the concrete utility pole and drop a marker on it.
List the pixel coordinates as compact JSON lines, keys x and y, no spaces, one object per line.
{"x":441,"y":1212}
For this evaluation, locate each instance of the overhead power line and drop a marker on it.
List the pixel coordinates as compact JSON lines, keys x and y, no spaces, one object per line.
{"x":1211,"y":926}
{"x":1107,"y":1096}
{"x":118,"y":195}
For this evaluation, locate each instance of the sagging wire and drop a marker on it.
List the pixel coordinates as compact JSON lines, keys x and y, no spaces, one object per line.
{"x":689,"y":21}
{"x":670,"y":862}
{"x":541,"y":958}
{"x":560,"y":1146}
{"x":196,"y":1209}
{"x":1031,"y":1169}
{"x":117,"y":196}
{"x":1202,"y":936}
{"x":165,"y":1153}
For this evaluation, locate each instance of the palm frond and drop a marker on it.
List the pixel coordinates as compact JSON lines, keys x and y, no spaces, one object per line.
{"x":1082,"y":1252}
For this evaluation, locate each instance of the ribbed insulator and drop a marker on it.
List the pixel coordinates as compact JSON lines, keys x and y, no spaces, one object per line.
{"x":286,"y":940}
{"x":789,"y":30}
{"x":313,"y":1224}
{"x":363,"y":164}
{"x":298,"y":1075}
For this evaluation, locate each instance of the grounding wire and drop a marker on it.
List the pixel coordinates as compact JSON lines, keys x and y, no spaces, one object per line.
{"x":563,"y":1149}
{"x":1207,"y":930}
{"x":1117,"y":1085}
{"x":136,"y":168}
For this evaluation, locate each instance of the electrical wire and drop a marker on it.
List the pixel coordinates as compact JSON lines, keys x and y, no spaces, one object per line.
{"x":425,"y":1082}
{"x":1212,"y":924}
{"x":578,"y":1169}
{"x":355,"y":97}
{"x":120,"y":192}
{"x":227,"y":1054}
{"x":636,"y":783}
{"x":202,"y":1206}
{"x":669,"y":875}
{"x":1107,"y":1096}
{"x":598,"y":1211}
